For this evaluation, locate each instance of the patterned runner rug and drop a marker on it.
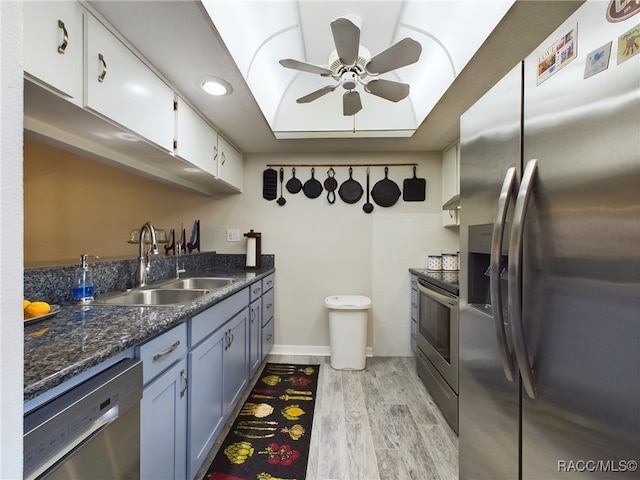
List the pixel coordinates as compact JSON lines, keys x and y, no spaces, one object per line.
{"x":269,"y":439}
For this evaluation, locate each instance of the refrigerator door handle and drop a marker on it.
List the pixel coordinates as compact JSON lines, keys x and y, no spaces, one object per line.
{"x":515,"y":278}
{"x":508,"y":191}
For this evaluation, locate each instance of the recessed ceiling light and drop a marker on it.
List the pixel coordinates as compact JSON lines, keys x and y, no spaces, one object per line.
{"x":216,"y":86}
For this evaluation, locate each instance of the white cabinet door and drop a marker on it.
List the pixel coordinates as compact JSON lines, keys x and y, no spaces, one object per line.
{"x":120,"y":87}
{"x":163,"y":425}
{"x":196,"y":141}
{"x":53,"y":46}
{"x":230,"y":164}
{"x":206,"y":403}
{"x":450,"y":183}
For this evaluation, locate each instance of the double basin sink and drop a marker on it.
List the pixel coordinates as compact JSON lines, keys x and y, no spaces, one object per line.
{"x":179,"y":291}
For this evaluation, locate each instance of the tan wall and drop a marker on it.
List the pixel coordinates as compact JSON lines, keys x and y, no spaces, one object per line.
{"x":83,"y":206}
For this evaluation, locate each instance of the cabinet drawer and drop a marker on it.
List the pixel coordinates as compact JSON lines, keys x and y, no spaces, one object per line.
{"x":161,"y":352}
{"x":267,"y":338}
{"x":268,"y":301}
{"x":207,"y":322}
{"x":256,"y":290}
{"x":268,"y":282}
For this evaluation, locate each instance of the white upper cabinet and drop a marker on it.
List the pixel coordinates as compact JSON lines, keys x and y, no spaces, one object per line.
{"x":230,"y":165}
{"x":451,"y":184}
{"x":122,"y":88}
{"x":196,"y":141}
{"x":53,"y":46}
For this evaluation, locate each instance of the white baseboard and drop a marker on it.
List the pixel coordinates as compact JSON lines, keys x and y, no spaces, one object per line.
{"x":308,"y":350}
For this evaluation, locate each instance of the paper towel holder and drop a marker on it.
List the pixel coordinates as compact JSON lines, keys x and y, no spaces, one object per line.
{"x":254,"y":250}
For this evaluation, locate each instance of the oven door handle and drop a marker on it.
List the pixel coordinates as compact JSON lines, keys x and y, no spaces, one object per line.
{"x":515,"y":278}
{"x":438,"y":297}
{"x":506,"y":193}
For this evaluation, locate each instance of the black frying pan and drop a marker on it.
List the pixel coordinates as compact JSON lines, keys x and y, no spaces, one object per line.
{"x":330,"y":185}
{"x":312,"y":187}
{"x":294,"y":185}
{"x":385,"y":192}
{"x":350,"y":191}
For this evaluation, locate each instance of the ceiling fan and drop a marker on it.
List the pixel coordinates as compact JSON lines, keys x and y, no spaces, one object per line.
{"x":350,"y":64}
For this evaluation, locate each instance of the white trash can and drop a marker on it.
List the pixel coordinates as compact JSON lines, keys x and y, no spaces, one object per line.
{"x":348,"y":316}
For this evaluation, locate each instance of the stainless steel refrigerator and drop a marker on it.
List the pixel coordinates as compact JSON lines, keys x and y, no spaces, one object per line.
{"x":550,"y":260}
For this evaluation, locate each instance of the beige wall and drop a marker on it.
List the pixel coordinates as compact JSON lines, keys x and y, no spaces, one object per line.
{"x":320,"y":249}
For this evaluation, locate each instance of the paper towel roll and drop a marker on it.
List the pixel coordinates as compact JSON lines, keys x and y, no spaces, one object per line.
{"x":251,"y":252}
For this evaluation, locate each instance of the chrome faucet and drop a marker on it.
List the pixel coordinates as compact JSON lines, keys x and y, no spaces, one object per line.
{"x":144,"y":262}
{"x":178,"y":252}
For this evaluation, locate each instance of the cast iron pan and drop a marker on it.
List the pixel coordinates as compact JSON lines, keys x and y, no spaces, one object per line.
{"x":385,"y":192}
{"x":312,"y":187}
{"x":269,"y":184}
{"x":350,"y":191}
{"x":293,"y":184}
{"x":330,"y":185}
{"x":414,"y":188}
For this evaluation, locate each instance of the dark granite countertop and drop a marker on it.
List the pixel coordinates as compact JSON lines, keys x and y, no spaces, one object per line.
{"x":80,"y":337}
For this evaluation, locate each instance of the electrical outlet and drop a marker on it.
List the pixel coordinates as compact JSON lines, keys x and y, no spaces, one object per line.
{"x":233,"y":235}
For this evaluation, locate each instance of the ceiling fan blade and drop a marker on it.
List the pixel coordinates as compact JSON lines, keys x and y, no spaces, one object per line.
{"x":351,"y":103}
{"x":346,"y":36}
{"x":317,"y":94}
{"x":394,"y":91}
{"x":305,"y":67}
{"x":405,"y":52}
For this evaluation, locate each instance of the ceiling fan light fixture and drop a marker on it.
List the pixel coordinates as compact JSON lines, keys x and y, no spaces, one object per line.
{"x":216,"y":86}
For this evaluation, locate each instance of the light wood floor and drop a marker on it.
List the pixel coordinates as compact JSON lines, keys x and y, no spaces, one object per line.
{"x":376,"y":424}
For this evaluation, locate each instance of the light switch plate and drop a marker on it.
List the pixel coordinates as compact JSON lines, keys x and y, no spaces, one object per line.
{"x":233,"y":235}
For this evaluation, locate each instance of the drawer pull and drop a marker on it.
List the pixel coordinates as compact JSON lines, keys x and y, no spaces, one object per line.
{"x":269,"y":337}
{"x":269,"y":282}
{"x":166,"y":352}
{"x":269,"y":305}
{"x":65,"y":38}
{"x":183,"y":374}
{"x":104,"y":68}
{"x":256,"y":290}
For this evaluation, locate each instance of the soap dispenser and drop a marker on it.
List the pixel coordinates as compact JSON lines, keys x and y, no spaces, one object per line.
{"x":83,"y":288}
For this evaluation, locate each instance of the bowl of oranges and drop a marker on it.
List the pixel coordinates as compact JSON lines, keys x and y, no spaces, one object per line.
{"x":38,"y":310}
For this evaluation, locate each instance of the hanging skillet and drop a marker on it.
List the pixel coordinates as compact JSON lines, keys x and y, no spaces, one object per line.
{"x":312,"y":187}
{"x":414,"y":188}
{"x":294,"y":185}
{"x":330,"y":185}
{"x":385,"y":192}
{"x":350,"y":191}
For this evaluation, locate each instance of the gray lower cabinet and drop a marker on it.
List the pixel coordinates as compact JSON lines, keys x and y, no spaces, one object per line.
{"x":163,"y":408}
{"x":268,"y":322}
{"x":414,"y":313}
{"x":194,"y":375}
{"x":218,"y":372}
{"x":255,"y":335}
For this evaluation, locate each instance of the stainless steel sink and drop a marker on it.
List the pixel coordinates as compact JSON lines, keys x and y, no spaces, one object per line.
{"x":204,"y":283}
{"x":156,"y":297}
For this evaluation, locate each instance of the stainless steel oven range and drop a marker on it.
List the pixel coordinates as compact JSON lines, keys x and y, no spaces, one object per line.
{"x":437,"y":340}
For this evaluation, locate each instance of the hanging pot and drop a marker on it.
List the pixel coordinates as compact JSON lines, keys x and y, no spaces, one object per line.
{"x":294,"y":185}
{"x":350,"y":191}
{"x":330,"y":185}
{"x":312,"y":187}
{"x":414,"y":189}
{"x":385,"y":192}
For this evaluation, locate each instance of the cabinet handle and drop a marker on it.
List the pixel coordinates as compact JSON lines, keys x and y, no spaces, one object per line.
{"x":224,"y":158}
{"x":226,"y":340}
{"x":231,"y":335}
{"x":254,"y":314}
{"x":256,"y":290}
{"x":269,"y":337}
{"x":269,"y":305}
{"x":183,"y":374}
{"x":159,"y":355}
{"x":269,"y":282}
{"x":215,"y":152}
{"x":65,"y":38}
{"x":104,"y":68}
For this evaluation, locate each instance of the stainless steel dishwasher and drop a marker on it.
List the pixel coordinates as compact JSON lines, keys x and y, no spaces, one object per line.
{"x":91,"y":431}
